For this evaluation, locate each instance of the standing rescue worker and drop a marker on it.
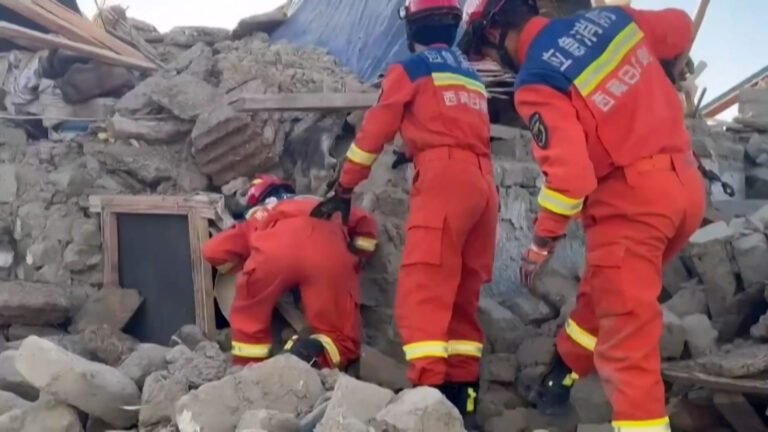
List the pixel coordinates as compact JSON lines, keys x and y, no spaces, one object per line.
{"x":439,"y":105}
{"x":278,"y":247}
{"x":611,"y":141}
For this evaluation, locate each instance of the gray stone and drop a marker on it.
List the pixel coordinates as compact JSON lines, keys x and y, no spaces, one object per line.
{"x":78,"y":258}
{"x":184,"y":95}
{"x":261,"y":23}
{"x":511,"y":421}
{"x":689,"y":300}
{"x":160,"y":394}
{"x":73,"y":179}
{"x":8,"y":185}
{"x":589,"y":400}
{"x":379,"y":369}
{"x":32,"y":303}
{"x":139,"y":100}
{"x":145,"y":360}
{"x":675,"y":275}
{"x":495,"y":399}
{"x":751,"y":254}
{"x":530,"y":309}
{"x":673,"y":336}
{"x":423,"y":409}
{"x":536,"y":351}
{"x":283,"y":383}
{"x":268,"y":421}
{"x":206,"y":364}
{"x":757,"y":149}
{"x":189,"y":335}
{"x":498,"y":323}
{"x":106,"y":344}
{"x":737,"y":314}
{"x":709,"y":252}
{"x":86,"y":232}
{"x":759,"y":330}
{"x":501,"y":368}
{"x":757,"y":183}
{"x":190,"y":36}
{"x":44,"y":251}
{"x":556,"y":288}
{"x":353,"y":399}
{"x":112,"y":307}
{"x":97,"y":389}
{"x":10,"y":401}
{"x":19,"y":331}
{"x":43,"y":416}
{"x":164,"y":131}
{"x":196,"y":61}
{"x":700,"y":336}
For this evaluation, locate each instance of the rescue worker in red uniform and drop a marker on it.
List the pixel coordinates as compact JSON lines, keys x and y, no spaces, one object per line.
{"x":279,"y":247}
{"x":611,"y":141}
{"x":439,"y":105}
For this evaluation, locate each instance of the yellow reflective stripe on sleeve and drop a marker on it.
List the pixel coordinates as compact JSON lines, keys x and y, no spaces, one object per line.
{"x":425,"y":349}
{"x":580,"y":336}
{"x":442,"y":79}
{"x":655,"y":425}
{"x":256,"y":351}
{"x":366,"y":244}
{"x":330,"y":348}
{"x":559,"y":203}
{"x":360,"y":156}
{"x":596,"y":72}
{"x":225,"y":268}
{"x":465,"y":348}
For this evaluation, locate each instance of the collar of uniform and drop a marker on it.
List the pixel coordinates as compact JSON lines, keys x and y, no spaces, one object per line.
{"x":529,"y":32}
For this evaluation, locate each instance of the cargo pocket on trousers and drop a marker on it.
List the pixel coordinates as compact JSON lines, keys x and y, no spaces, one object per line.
{"x":608,"y":281}
{"x":424,"y":240}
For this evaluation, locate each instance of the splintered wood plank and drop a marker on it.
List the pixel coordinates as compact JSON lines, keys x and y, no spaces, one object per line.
{"x":681,"y":372}
{"x":739,"y":413}
{"x":48,"y":20}
{"x":14,"y":32}
{"x":205,"y":313}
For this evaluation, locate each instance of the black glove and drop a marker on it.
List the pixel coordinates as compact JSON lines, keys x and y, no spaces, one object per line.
{"x":400,"y":159}
{"x":339,"y":202}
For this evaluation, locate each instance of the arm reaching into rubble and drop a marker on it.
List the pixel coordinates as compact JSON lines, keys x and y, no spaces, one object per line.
{"x":363,"y":230}
{"x":228,"y":250}
{"x":669,"y":31}
{"x":561,"y":151}
{"x":379,"y":127}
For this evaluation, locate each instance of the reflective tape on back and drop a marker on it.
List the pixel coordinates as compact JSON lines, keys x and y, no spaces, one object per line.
{"x":596,"y":72}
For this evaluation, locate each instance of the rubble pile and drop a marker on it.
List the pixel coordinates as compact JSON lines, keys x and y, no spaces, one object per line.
{"x":65,"y":363}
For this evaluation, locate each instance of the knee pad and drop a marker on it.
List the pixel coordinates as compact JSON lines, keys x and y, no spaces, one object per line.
{"x":307,"y":349}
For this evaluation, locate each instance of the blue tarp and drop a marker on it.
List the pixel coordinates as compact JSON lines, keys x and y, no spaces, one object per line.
{"x":364,"y":35}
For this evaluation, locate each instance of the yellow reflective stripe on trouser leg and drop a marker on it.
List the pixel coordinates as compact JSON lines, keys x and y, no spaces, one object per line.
{"x":360,"y":156}
{"x":655,"y":425}
{"x":417,"y":350}
{"x":559,"y":203}
{"x":465,"y":348}
{"x":366,"y":244}
{"x":254,"y":351}
{"x":330,"y":348}
{"x":580,"y":336}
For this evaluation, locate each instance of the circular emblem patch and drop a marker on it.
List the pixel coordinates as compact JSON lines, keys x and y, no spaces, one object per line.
{"x":539,"y":130}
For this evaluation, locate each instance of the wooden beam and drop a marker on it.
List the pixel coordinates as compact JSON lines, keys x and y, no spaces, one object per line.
{"x":679,"y":374}
{"x":152,"y":204}
{"x":739,"y":413}
{"x":41,"y":40}
{"x":48,"y":20}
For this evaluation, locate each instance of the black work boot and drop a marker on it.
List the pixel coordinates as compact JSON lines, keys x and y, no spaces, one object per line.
{"x":464,"y":398}
{"x":554,"y":391}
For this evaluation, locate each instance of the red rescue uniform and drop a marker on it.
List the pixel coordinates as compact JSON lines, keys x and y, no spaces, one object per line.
{"x":610,"y":138}
{"x":439,"y":106}
{"x":280,"y":247}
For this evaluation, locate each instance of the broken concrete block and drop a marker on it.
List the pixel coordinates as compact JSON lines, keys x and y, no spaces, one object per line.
{"x":757,"y":149}
{"x":675,"y":275}
{"x":495,"y":400}
{"x":711,"y":257}
{"x":673,"y":336}
{"x":556,"y":288}
{"x":106,"y":344}
{"x":500,"y":368}
{"x":110,"y":306}
{"x":498,"y":323}
{"x":283,"y":383}
{"x":353,"y":399}
{"x":511,"y":421}
{"x":268,"y":420}
{"x":10,"y":401}
{"x":689,"y":300}
{"x":32,"y":303}
{"x":166,"y":131}
{"x":757,"y":183}
{"x":739,"y":314}
{"x":196,"y":61}
{"x":11,"y":380}
{"x":261,"y":23}
{"x":423,"y":409}
{"x":530,"y":309}
{"x":379,"y":369}
{"x":743,"y":361}
{"x":751,"y":254}
{"x":97,"y":389}
{"x":205,"y":364}
{"x":159,"y":397}
{"x":44,"y":416}
{"x":189,"y":335}
{"x":699,"y":335}
{"x":145,"y":360}
{"x":589,"y":400}
{"x":536,"y":351}
{"x":184,"y":95}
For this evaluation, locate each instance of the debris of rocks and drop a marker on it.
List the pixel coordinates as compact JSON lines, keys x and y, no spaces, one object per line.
{"x":45,"y":415}
{"x":422,"y":409}
{"x":353,"y":400}
{"x":112,"y":307}
{"x":143,"y":361}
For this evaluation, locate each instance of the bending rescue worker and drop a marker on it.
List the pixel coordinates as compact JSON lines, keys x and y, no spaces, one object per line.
{"x":278,"y":247}
{"x":610,"y":138}
{"x":439,"y":105}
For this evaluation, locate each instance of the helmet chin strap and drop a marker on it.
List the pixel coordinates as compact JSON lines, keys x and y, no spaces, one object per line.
{"x":501,"y":49}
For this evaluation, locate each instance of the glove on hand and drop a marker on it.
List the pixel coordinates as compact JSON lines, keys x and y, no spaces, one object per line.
{"x":339,"y":202}
{"x":534,"y":258}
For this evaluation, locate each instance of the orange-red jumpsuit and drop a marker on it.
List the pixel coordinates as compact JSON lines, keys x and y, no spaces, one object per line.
{"x":439,"y":106}
{"x":280,"y":247}
{"x":608,"y":126}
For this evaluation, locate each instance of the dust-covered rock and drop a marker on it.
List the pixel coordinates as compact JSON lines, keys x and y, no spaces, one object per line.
{"x":112,"y":307}
{"x":10,"y":401}
{"x":159,"y":396}
{"x":751,"y":254}
{"x":589,"y":400}
{"x":709,"y":248}
{"x":690,"y":299}
{"x":501,"y":368}
{"x":189,"y":335}
{"x":205,"y":364}
{"x":353,"y":399}
{"x":184,"y":95}
{"x":673,"y":336}
{"x":146,"y":359}
{"x":423,"y":409}
{"x":97,"y":389}
{"x":510,"y":421}
{"x":32,"y":303}
{"x":18,"y":332}
{"x":165,"y":131}
{"x":106,"y":344}
{"x":44,"y":416}
{"x":11,"y":380}
{"x":536,"y":351}
{"x":700,"y":337}
{"x":189,"y":36}
{"x":268,"y":420}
